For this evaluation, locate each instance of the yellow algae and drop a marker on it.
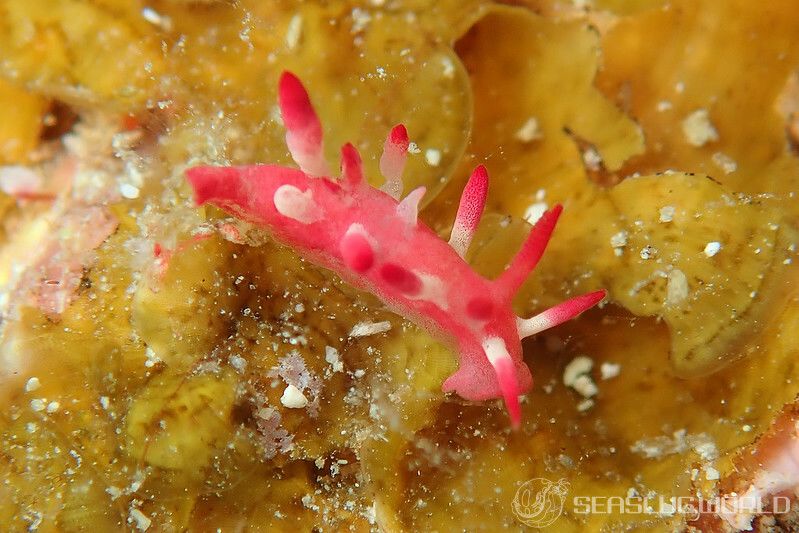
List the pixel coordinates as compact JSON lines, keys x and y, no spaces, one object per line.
{"x":154,"y":401}
{"x":22,"y":122}
{"x":179,"y":422}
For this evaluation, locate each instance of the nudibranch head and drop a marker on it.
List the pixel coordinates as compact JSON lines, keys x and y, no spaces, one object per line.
{"x":373,"y":239}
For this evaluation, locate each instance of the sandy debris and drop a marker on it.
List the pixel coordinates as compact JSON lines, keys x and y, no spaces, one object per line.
{"x":712,"y":248}
{"x":293,"y":398}
{"x":609,"y":370}
{"x":676,"y":287}
{"x":365,"y":329}
{"x":529,"y":131}
{"x":698,"y":129}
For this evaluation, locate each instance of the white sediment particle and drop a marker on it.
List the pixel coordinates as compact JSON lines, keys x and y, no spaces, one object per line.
{"x":647,"y":252}
{"x":433,"y":157}
{"x":238,"y":362}
{"x":704,"y":447}
{"x":52,"y":407}
{"x":712,"y":248}
{"x":676,"y":287}
{"x":577,"y":376}
{"x":37,"y":404}
{"x":711,"y":474}
{"x":619,"y":240}
{"x":139,"y":519}
{"x":592,"y":159}
{"x":294,"y":31}
{"x":360,"y":20}
{"x":667,"y":213}
{"x":535,"y":211}
{"x":529,"y":131}
{"x":585,"y":386}
{"x":156,"y":19}
{"x":698,"y":129}
{"x":578,"y":366}
{"x":449,"y":67}
{"x":679,"y":442}
{"x":365,"y":329}
{"x":585,"y":405}
{"x":609,"y":370}
{"x":105,"y":402}
{"x":131,"y":192}
{"x":293,"y":398}
{"x":724,"y":162}
{"x":332,"y":358}
{"x":32,"y":384}
{"x":152,"y":358}
{"x":663,"y":105}
{"x":413,"y":148}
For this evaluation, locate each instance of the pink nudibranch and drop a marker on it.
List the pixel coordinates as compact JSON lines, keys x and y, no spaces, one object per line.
{"x":374,"y":241}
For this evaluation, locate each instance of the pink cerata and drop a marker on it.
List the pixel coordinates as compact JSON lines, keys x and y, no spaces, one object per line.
{"x":373,"y":240}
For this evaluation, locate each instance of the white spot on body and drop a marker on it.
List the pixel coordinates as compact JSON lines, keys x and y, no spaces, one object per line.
{"x":433,"y":290}
{"x":297,"y":205}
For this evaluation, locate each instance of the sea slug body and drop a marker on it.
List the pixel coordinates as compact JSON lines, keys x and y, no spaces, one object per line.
{"x":373,"y":240}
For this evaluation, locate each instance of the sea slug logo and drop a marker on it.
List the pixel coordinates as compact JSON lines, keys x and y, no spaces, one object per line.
{"x":539,"y":502}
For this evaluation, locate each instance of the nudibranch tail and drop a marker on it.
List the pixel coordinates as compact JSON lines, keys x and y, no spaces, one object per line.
{"x":530,"y":253}
{"x":375,"y":241}
{"x":213,"y":183}
{"x":470,"y":211}
{"x":559,"y":314}
{"x":392,"y":162}
{"x":303,"y":128}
